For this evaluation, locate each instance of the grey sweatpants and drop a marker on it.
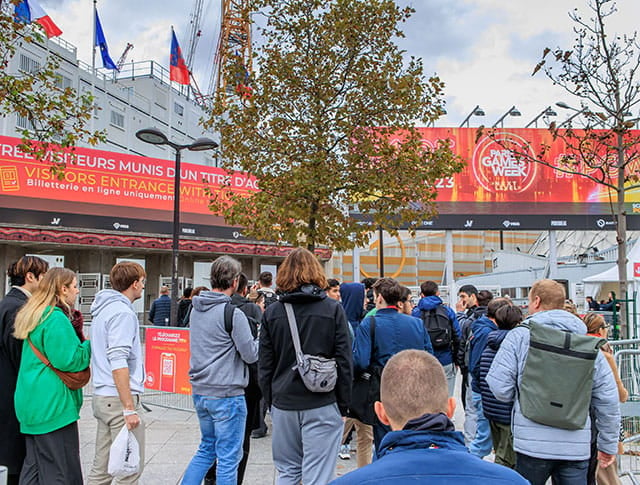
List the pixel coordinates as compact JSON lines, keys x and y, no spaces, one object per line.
{"x":305,"y":444}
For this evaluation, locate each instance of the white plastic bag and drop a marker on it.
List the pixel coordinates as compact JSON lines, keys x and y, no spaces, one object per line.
{"x":124,"y":455}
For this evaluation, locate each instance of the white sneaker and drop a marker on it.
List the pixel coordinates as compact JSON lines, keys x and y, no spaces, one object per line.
{"x":343,"y":454}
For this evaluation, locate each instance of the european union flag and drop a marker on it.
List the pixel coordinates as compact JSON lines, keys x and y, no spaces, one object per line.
{"x":101,"y":42}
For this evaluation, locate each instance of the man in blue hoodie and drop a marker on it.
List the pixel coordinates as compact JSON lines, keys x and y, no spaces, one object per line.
{"x":394,"y":332}
{"x":117,"y":367}
{"x":423,"y":446}
{"x":428,"y":310}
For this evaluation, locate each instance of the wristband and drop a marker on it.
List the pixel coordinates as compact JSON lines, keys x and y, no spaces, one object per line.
{"x":129,"y":412}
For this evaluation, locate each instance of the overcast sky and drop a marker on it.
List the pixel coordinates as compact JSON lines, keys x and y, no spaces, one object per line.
{"x":484,"y":50}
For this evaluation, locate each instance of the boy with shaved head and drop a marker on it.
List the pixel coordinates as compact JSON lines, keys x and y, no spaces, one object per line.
{"x":423,"y":446}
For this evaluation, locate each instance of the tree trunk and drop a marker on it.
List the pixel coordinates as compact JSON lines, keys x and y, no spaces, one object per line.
{"x":311,"y":236}
{"x":621,"y":237}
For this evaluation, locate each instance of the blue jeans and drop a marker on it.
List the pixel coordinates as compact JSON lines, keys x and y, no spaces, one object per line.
{"x":482,"y":443}
{"x":222,"y":422}
{"x":563,"y":472}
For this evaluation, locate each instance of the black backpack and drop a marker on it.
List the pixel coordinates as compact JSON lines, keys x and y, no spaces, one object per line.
{"x":437,"y":323}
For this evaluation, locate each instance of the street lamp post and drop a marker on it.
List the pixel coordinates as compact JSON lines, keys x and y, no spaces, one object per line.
{"x":477,"y":111}
{"x":547,"y":112}
{"x":156,"y":137}
{"x":513,"y":111}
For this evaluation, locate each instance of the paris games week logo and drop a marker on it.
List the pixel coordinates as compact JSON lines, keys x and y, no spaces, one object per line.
{"x":496,"y":167}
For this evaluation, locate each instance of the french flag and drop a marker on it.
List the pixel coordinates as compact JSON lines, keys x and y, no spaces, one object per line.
{"x":28,"y":11}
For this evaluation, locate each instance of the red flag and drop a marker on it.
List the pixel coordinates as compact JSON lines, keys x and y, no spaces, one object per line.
{"x":178,"y":70}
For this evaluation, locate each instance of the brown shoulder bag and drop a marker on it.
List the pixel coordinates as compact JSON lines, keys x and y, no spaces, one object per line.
{"x":73,"y":380}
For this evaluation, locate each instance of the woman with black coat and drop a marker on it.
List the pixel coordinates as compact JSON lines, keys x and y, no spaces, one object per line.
{"x":307,"y":426}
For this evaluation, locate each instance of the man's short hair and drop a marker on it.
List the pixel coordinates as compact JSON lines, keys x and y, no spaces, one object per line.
{"x":429,"y":288}
{"x":17,"y":272}
{"x":124,"y":274}
{"x":390,"y":290}
{"x":243,"y":281}
{"x":187,"y":292}
{"x":368,"y":282}
{"x":164,"y":290}
{"x":224,"y":271}
{"x":332,"y":283}
{"x":484,"y":297}
{"x":550,"y":292}
{"x":265,"y":278}
{"x":413,"y":383}
{"x":468,"y":290}
{"x":405,"y":294}
{"x":494,"y":305}
{"x":508,"y":316}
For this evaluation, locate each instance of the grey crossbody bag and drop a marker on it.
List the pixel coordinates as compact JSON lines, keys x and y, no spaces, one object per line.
{"x":319,"y":374}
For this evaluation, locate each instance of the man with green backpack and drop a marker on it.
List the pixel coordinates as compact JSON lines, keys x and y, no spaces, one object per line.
{"x":555,"y":373}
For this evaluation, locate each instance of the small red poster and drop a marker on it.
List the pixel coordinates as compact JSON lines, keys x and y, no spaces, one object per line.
{"x":167,"y":360}
{"x":636,"y":270}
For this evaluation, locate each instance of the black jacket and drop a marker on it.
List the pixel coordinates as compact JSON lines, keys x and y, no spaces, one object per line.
{"x":323,"y":330}
{"x":12,"y":450}
{"x":493,"y":409}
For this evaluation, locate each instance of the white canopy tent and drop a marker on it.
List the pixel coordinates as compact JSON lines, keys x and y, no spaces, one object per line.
{"x":599,"y":285}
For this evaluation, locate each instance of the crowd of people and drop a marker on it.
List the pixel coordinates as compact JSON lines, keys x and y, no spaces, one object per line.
{"x":329,"y":362}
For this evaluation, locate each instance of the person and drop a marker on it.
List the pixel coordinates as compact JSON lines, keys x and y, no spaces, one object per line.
{"x":219,"y":375}
{"x":481,"y":444}
{"x":24,"y":277}
{"x":423,"y":446}
{"x":184,"y":306}
{"x":430,"y":301}
{"x":117,"y":364}
{"x":598,"y":327}
{"x":473,"y":305}
{"x":333,"y":290}
{"x":394,"y":332}
{"x":497,"y":412}
{"x":592,"y":305}
{"x":353,"y":295}
{"x":368,"y":287}
{"x":258,"y":298}
{"x":160,"y":311}
{"x":404,"y":304}
{"x":307,"y":426}
{"x":544,"y":451}
{"x":48,"y":411}
{"x":265,"y":280}
{"x":610,"y":304}
{"x":252,"y":394}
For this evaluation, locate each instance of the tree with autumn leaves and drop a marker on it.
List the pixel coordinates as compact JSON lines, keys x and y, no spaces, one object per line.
{"x":58,"y":116}
{"x":328,"y":126}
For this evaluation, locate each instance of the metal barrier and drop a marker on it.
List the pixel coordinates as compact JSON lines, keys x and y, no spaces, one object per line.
{"x":183,"y":402}
{"x":628,"y":361}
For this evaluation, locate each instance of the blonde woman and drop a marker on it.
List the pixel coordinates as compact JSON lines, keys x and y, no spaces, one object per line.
{"x":46,"y":408}
{"x":598,"y":327}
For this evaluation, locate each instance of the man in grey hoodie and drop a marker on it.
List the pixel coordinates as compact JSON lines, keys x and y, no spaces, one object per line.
{"x":543,"y":451}
{"x":117,"y":367}
{"x":219,"y":375}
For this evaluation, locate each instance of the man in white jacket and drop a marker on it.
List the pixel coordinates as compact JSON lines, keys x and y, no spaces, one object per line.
{"x":544,"y":451}
{"x":117,"y":367}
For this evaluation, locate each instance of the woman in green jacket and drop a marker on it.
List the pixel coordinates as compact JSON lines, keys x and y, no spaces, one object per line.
{"x":46,"y":408}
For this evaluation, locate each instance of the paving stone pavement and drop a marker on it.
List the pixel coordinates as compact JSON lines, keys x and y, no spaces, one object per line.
{"x":172,"y":437}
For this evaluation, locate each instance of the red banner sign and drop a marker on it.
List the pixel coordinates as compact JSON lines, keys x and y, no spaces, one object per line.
{"x":120,"y":179}
{"x":493,"y":174}
{"x":167,"y":360}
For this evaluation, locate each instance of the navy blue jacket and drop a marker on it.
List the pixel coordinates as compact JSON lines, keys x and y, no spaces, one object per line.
{"x":428,"y":456}
{"x":493,"y":409}
{"x":481,"y":329}
{"x":352,"y":299}
{"x":395,"y":332}
{"x":160,"y":311}
{"x":428,"y":303}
